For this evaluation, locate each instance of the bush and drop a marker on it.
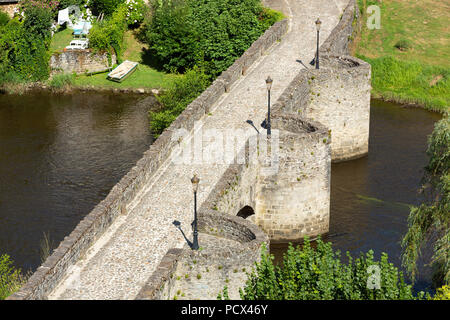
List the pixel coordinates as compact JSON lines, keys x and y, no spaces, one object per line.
{"x":23,"y":53}
{"x":212,"y":34}
{"x":317,"y":274}
{"x":136,"y":10}
{"x":403,"y":45}
{"x":11,"y":279}
{"x":442,"y":293}
{"x":182,"y":92}
{"x":4,"y":18}
{"x":109,"y":33}
{"x":67,"y":3}
{"x":105,"y":6}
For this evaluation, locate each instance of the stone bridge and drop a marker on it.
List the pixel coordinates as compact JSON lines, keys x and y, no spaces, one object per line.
{"x":128,"y":247}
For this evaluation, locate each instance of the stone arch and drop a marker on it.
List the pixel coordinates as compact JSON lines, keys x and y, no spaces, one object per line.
{"x":246,"y":212}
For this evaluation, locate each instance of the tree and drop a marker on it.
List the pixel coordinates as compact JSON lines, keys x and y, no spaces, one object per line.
{"x":431,"y":220}
{"x":318,"y":274}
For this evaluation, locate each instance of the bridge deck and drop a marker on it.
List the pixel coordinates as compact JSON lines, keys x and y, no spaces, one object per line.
{"x":120,"y":262}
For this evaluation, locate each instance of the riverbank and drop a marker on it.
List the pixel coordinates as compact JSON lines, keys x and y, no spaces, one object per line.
{"x":409,"y":54}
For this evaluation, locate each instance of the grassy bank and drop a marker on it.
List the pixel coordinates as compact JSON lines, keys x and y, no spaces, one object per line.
{"x":144,"y":77}
{"x":410,"y":54}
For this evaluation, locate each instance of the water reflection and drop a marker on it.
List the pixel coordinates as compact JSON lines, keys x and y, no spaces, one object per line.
{"x":59,"y":156}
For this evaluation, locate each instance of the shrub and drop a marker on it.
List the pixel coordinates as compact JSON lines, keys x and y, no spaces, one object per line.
{"x":212,"y":34}
{"x":136,"y":10}
{"x":11,"y":279}
{"x":403,"y":45}
{"x":4,"y":18}
{"x":67,"y":3}
{"x":105,"y":6}
{"x":442,"y":293}
{"x":316,"y":274}
{"x":269,"y":16}
{"x":23,"y":53}
{"x":109,"y":33}
{"x":182,"y":92}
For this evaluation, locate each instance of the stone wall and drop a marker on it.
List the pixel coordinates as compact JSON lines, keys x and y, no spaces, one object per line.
{"x":229,"y":247}
{"x":74,"y":246}
{"x":341,"y":36}
{"x":9,"y":7}
{"x":340,"y":99}
{"x":81,"y":61}
{"x":295,"y":202}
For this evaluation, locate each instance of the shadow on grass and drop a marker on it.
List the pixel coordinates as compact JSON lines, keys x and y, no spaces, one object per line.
{"x":149,"y":59}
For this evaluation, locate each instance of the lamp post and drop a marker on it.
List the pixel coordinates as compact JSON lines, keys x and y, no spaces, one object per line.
{"x":318,"y":23}
{"x":195,"y":180}
{"x":269,"y":86}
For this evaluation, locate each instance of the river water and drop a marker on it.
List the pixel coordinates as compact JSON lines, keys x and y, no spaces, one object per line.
{"x":61,"y":154}
{"x":59,"y":157}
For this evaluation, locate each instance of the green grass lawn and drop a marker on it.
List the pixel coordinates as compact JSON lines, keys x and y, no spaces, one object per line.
{"x":60,"y":40}
{"x":420,"y":72}
{"x":144,"y":77}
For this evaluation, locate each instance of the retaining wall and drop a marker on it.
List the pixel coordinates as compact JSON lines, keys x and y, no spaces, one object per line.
{"x":81,"y":61}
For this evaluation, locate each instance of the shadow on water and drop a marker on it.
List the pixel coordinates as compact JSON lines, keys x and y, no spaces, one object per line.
{"x":59,"y":157}
{"x":371,"y":196}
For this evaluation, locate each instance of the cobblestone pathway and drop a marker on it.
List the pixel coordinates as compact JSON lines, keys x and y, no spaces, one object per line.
{"x":120,"y":262}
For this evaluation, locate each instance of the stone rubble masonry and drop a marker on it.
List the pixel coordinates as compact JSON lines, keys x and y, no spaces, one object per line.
{"x":9,"y":7}
{"x":74,"y":246}
{"x":228,"y":245}
{"x":81,"y":61}
{"x":340,"y":99}
{"x":295,"y":202}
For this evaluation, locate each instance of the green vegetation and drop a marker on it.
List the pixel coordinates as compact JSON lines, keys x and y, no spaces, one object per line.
{"x":107,"y":35}
{"x":210,"y":34}
{"x":410,"y":54}
{"x":144,"y":77}
{"x":11,"y":279}
{"x":201,"y":39}
{"x":182,"y":91}
{"x":60,"y":40}
{"x":431,"y":220}
{"x":317,"y":274}
{"x":24,"y":45}
{"x":442,"y":293}
{"x":105,"y":6}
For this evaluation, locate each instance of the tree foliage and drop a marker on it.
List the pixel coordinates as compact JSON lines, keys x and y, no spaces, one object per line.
{"x":108,"y":34}
{"x":182,"y":92}
{"x":212,"y":34}
{"x":432,"y":218}
{"x":24,"y":44}
{"x":319,"y":274}
{"x":105,"y":6}
{"x":11,"y":278}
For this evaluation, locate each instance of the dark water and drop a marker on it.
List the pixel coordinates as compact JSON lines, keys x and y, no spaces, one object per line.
{"x":370,"y":196}
{"x":59,"y":156}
